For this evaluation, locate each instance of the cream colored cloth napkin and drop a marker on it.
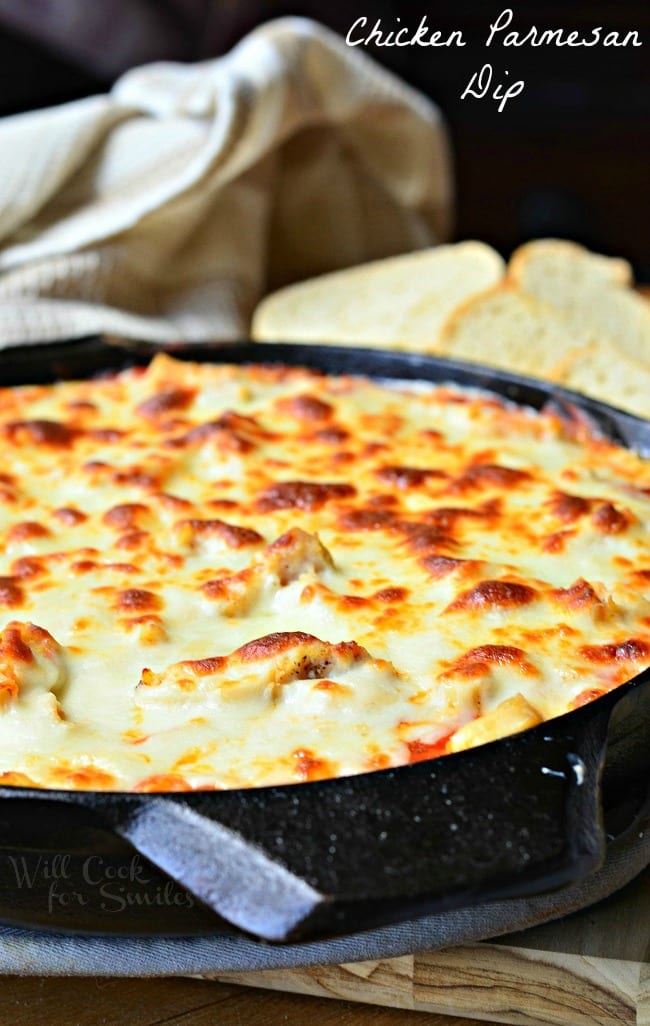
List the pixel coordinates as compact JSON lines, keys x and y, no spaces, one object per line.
{"x":166,"y":209}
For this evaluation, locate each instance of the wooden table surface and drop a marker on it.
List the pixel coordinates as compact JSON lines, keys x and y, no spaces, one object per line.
{"x":605,"y":952}
{"x":28,"y":1001}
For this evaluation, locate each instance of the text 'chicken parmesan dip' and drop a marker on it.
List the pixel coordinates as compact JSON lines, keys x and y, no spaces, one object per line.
{"x":221,"y":576}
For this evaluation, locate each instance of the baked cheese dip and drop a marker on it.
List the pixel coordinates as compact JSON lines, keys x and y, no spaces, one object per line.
{"x":223,"y":577}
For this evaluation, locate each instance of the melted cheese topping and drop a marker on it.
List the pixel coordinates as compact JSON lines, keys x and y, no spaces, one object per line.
{"x":229,"y":577}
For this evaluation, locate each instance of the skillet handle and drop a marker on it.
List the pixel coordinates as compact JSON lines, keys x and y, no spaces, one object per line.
{"x":184,"y":835}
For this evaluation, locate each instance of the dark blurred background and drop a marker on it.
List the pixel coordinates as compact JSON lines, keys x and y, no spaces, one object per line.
{"x":569,"y":157}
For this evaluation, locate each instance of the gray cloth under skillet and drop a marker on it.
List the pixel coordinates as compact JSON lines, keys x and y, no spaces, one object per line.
{"x":34,"y":953}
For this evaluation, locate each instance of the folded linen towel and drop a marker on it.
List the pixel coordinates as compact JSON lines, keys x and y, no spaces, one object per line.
{"x":167,"y":208}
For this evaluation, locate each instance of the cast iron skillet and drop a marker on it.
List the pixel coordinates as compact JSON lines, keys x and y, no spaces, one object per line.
{"x":522,"y":815}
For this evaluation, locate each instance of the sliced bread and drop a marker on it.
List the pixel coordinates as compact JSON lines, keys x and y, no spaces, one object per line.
{"x":512,"y":330}
{"x":605,"y":373}
{"x":590,"y":291}
{"x":506,"y":328}
{"x":398,"y":303}
{"x":559,"y":267}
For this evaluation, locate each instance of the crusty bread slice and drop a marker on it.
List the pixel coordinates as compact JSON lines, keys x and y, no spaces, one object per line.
{"x":398,"y":303}
{"x":589,"y":290}
{"x":510,"y":329}
{"x":506,"y":328}
{"x":556,"y":266}
{"x":605,"y":373}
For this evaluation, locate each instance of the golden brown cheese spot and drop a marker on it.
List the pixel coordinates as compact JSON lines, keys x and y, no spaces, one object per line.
{"x":28,"y":567}
{"x":273,"y":644}
{"x":231,"y":432}
{"x":330,"y":436}
{"x":497,"y":655}
{"x":351,"y":602}
{"x":11,"y":594}
{"x":378,"y":761}
{"x":83,"y":566}
{"x":391,"y":595}
{"x":556,"y":541}
{"x":586,"y":696}
{"x":81,"y":406}
{"x":438,"y":566}
{"x":304,"y":407}
{"x":578,"y":596}
{"x":493,"y":595}
{"x":488,"y":475}
{"x":332,"y":687}
{"x":421,"y":538}
{"x":407,"y":477}
{"x":568,"y":508}
{"x":447,"y":518}
{"x":136,"y":475}
{"x":230,"y":590}
{"x":382,"y":501}
{"x":641,"y":577}
{"x":419,"y":751}
{"x":230,"y":420}
{"x":163,"y":402}
{"x":137,"y":599}
{"x":342,"y":458}
{"x":465,"y":672}
{"x":129,"y":515}
{"x":25,"y":531}
{"x":15,"y":779}
{"x":132,"y":540}
{"x":622,"y":651}
{"x":69,"y":516}
{"x":222,"y":504}
{"x":150,"y":628}
{"x":171,"y":502}
{"x":12,"y":643}
{"x":8,"y":489}
{"x":366,"y":520}
{"x":83,"y":778}
{"x":233,"y":536}
{"x":205,"y":667}
{"x":609,"y":520}
{"x":107,"y":435}
{"x":163,"y":782}
{"x":374,"y":448}
{"x":308,"y":766}
{"x":226,"y":439}
{"x":40,"y":432}
{"x":306,"y":495}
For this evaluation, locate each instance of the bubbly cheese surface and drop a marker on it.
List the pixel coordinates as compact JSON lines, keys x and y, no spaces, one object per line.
{"x":220,"y":576}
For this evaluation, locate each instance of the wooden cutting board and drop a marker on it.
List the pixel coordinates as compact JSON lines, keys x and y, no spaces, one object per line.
{"x":590,"y":969}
